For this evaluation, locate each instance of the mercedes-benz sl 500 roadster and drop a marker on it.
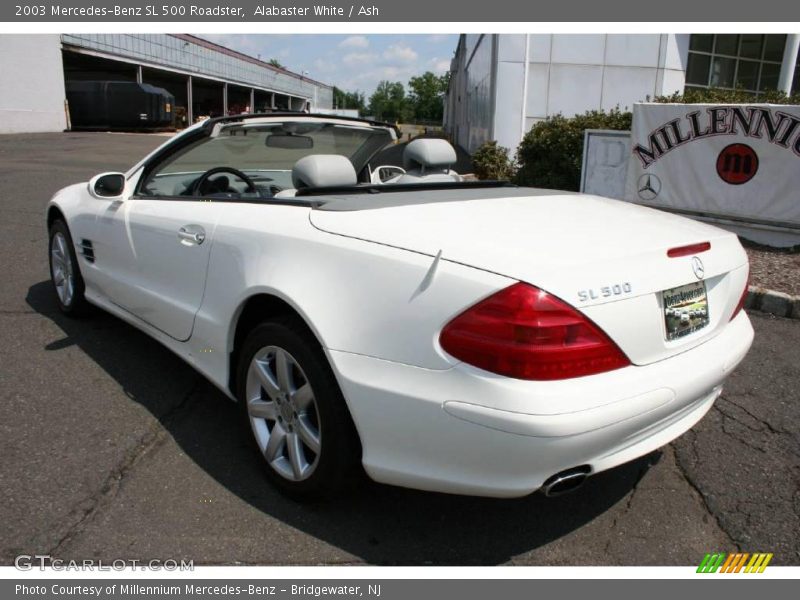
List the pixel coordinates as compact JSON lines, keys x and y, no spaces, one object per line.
{"x":461,"y":336}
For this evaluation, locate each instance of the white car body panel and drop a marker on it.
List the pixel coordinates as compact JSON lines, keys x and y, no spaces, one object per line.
{"x":357,"y":297}
{"x":377,"y":286}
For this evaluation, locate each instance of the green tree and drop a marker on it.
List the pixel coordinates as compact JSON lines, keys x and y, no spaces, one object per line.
{"x":350,"y":100}
{"x":276,"y":63}
{"x":426,"y":96}
{"x":389,"y":102}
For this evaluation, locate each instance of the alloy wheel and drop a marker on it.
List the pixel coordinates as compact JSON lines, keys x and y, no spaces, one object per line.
{"x":62,"y":269}
{"x":283,"y":413}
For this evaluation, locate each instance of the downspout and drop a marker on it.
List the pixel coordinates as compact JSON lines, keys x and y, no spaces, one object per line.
{"x":493,"y":84}
{"x":788,"y":65}
{"x":524,"y":109}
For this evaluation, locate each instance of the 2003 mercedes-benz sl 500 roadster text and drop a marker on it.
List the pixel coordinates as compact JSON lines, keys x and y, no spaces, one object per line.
{"x":465,"y":337}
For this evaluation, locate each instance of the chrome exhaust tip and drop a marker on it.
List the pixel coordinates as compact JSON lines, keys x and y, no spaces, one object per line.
{"x":565,"y":481}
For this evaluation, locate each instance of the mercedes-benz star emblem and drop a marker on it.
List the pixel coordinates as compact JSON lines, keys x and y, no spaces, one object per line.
{"x":649,"y":186}
{"x":698,"y":268}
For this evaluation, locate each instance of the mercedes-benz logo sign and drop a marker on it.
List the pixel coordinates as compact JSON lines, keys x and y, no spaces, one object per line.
{"x":649,"y":186}
{"x":698,"y":268}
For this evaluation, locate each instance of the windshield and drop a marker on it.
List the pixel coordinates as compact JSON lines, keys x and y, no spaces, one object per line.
{"x":264,"y":153}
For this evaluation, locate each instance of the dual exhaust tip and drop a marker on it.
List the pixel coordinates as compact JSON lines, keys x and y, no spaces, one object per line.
{"x":566,"y":481}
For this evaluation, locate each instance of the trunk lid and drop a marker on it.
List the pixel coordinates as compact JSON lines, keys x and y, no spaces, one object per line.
{"x":607,"y":258}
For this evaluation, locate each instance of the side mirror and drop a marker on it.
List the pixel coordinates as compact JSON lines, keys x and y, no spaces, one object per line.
{"x":385,"y":173}
{"x":108,"y":186}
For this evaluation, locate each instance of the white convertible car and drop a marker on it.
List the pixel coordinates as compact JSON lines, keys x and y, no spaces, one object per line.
{"x":464,"y":337}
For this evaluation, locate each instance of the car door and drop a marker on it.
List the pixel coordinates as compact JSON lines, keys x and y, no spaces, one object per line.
{"x":169,"y":246}
{"x":153,"y":248}
{"x":153,"y":254}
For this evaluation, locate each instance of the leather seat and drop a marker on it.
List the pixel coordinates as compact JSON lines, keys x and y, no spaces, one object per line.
{"x":428,"y":160}
{"x":321,"y":170}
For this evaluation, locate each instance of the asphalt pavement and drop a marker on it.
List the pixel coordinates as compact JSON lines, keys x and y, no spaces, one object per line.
{"x":113,"y":448}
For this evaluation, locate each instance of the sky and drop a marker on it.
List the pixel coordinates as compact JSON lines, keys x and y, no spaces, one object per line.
{"x":350,"y":62}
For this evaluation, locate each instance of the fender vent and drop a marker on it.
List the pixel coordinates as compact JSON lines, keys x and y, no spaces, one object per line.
{"x":87,"y":250}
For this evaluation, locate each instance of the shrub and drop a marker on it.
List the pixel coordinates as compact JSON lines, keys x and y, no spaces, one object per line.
{"x":551,"y":153}
{"x":491,"y":161}
{"x":720,"y":96}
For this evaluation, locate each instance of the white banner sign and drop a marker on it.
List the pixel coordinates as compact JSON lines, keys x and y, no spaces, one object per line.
{"x":730,"y":160}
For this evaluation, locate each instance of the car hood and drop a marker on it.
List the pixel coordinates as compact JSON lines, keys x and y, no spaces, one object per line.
{"x":562,"y":242}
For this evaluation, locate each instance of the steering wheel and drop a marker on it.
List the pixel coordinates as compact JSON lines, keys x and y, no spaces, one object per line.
{"x":199,"y":185}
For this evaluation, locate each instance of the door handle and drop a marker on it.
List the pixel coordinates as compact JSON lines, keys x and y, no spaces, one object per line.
{"x":192,"y":234}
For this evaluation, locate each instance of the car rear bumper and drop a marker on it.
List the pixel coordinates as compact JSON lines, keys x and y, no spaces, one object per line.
{"x":466,"y":431}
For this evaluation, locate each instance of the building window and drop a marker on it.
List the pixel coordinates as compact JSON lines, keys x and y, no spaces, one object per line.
{"x":751,"y":62}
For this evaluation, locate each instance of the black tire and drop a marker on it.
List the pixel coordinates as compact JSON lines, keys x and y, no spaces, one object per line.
{"x":337,"y":467}
{"x":76,"y":304}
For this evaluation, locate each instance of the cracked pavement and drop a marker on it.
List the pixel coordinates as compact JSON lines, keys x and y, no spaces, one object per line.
{"x":114,"y":448}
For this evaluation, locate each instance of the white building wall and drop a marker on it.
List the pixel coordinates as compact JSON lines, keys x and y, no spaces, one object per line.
{"x":571,"y":74}
{"x":479,"y":92}
{"x":32,"y":95}
{"x":469,"y":106}
{"x":510,"y":88}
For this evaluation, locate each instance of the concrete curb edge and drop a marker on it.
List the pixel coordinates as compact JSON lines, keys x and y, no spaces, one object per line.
{"x":772,"y":302}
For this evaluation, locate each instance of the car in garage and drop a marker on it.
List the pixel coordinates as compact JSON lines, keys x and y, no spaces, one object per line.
{"x":448,"y":335}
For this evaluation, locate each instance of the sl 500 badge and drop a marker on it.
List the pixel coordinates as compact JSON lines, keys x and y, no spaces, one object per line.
{"x":607,"y":291}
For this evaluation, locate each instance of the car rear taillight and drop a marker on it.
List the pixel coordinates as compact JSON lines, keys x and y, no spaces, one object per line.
{"x":743,"y":299}
{"x":525,"y":333}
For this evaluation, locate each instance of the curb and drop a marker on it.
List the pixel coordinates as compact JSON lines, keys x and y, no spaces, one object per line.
{"x":772,"y":302}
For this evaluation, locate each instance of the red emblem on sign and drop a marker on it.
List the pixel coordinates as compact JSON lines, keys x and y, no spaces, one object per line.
{"x":737,"y":164}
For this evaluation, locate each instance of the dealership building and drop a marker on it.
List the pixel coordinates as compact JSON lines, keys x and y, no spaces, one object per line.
{"x":502,"y":84}
{"x":205,"y":79}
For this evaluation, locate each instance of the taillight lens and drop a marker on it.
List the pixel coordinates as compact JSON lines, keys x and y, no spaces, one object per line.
{"x":525,"y":333}
{"x":743,"y":299}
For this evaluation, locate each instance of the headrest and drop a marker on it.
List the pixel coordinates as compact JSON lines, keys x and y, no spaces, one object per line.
{"x":428,"y":153}
{"x":323,"y":170}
